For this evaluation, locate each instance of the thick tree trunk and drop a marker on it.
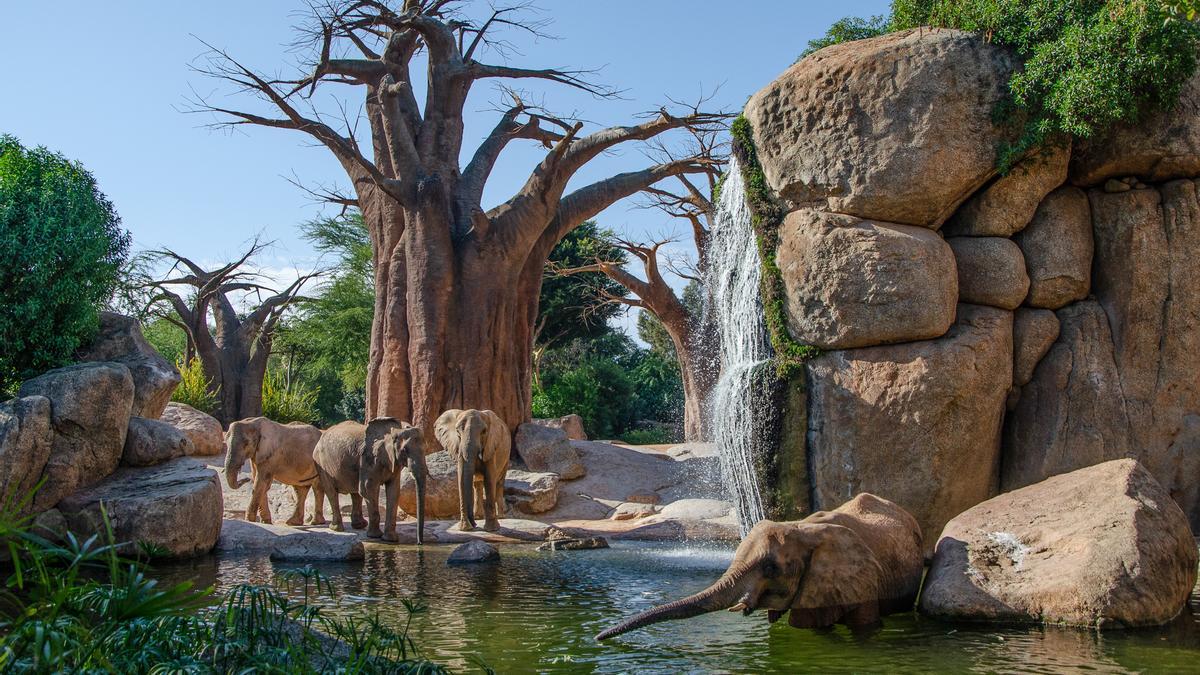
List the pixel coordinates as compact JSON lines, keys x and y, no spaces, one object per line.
{"x":695,"y":354}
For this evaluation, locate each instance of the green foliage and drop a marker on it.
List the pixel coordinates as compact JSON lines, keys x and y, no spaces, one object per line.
{"x":766,"y":217}
{"x":653,"y":436}
{"x":1088,"y":64}
{"x":285,"y":401}
{"x":572,"y":307}
{"x":848,"y":29}
{"x":168,"y":339}
{"x":78,"y":606}
{"x":62,"y":247}
{"x":194,"y":388}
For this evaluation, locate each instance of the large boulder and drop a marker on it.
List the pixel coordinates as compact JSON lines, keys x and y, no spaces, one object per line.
{"x":150,"y":442}
{"x":474,"y":551}
{"x":201,"y":428}
{"x":1103,"y":547}
{"x":1058,"y":249}
{"x":90,"y":405}
{"x":317,"y":546}
{"x":441,"y":487}
{"x":991,"y":271}
{"x":25,"y":442}
{"x":1163,"y":146}
{"x":857,"y":283}
{"x":120,"y":340}
{"x":571,"y":424}
{"x":531,"y":493}
{"x":173,"y":509}
{"x":1034,"y":332}
{"x":547,"y":450}
{"x":897,"y":128}
{"x":1008,"y":204}
{"x":917,"y":423}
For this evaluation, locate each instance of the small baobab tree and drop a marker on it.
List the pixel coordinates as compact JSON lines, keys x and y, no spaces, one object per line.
{"x":234,"y":348}
{"x":456,"y":283}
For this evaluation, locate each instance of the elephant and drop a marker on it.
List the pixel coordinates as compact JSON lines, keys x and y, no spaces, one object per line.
{"x":850,"y":566}
{"x":480,"y":443}
{"x":281,"y":452}
{"x":358,"y":458}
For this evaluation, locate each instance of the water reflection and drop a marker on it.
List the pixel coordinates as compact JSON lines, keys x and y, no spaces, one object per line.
{"x":537,"y":612}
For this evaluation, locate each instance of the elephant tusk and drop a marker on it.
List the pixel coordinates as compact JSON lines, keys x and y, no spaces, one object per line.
{"x":740,"y":607}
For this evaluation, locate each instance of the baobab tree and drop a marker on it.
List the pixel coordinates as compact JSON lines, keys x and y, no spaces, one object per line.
{"x":233,"y":349}
{"x":456,"y":283}
{"x":692,"y":335}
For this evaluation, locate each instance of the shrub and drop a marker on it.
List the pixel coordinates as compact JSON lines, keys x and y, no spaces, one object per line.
{"x":168,"y":339}
{"x":653,"y":436}
{"x":193,"y":386}
{"x":61,"y":247}
{"x":288,"y":403}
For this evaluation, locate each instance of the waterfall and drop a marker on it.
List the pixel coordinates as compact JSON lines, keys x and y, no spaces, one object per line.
{"x":735,"y":306}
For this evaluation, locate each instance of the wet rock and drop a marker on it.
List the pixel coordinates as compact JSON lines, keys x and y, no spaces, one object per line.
{"x":547,"y":450}
{"x":25,"y":442}
{"x":1103,"y":546}
{"x":531,"y":492}
{"x":584,"y":544}
{"x":571,"y":424}
{"x":1034,"y":332}
{"x":856,"y":283}
{"x":1008,"y":204}
{"x":120,"y":340}
{"x":150,"y":442}
{"x":90,"y":405}
{"x":696,"y":509}
{"x":896,"y":128}
{"x":991,"y":271}
{"x":174,"y":508}
{"x":1058,"y":249}
{"x":917,"y":423}
{"x":317,"y":546}
{"x":201,"y":428}
{"x":474,"y":551}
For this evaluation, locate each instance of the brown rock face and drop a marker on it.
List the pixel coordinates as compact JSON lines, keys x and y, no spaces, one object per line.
{"x":531,"y":492}
{"x":896,"y":128}
{"x":857,"y":283}
{"x":1034,"y":332}
{"x":174,"y":507}
{"x":90,"y":405}
{"x":1007,"y":205}
{"x":150,"y":442}
{"x":441,"y":488}
{"x":204,"y":430}
{"x":1058,"y":249}
{"x":1103,"y":546}
{"x":547,"y":450}
{"x":571,"y":424}
{"x":991,"y":271}
{"x":24,"y":446}
{"x":1162,"y":147}
{"x":120,"y":340}
{"x":916,"y":423}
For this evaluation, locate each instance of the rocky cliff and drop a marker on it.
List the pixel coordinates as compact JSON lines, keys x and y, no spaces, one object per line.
{"x":980,"y":332}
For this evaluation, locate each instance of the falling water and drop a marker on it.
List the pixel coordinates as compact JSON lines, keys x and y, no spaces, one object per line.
{"x":735,"y":306}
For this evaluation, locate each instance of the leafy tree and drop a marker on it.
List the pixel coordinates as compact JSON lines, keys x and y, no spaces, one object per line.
{"x":167,"y":338}
{"x":573,"y":307}
{"x":62,"y":246}
{"x":848,"y":29}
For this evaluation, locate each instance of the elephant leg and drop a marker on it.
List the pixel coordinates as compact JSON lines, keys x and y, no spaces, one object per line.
{"x":301,"y":492}
{"x":356,"y":512}
{"x":336,"y":525}
{"x":490,"y":524}
{"x":372,"y":499}
{"x":318,"y":514}
{"x":391,"y":493}
{"x":258,"y":498}
{"x":466,"y":498}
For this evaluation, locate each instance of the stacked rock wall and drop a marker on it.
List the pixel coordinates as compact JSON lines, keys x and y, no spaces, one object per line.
{"x":980,"y":332}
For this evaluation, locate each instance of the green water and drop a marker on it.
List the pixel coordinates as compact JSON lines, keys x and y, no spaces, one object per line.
{"x":537,"y":612}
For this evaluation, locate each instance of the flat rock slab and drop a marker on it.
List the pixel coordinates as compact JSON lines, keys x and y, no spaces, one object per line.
{"x":475,"y":551}
{"x":318,"y":546}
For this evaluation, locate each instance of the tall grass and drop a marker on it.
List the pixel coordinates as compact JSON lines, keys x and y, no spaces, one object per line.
{"x":284,"y":402}
{"x":72,"y":605}
{"x":193,"y":386}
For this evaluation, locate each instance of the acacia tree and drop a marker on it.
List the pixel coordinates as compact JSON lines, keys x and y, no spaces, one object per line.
{"x":233,"y":349}
{"x":691,"y":333}
{"x":456,"y":284}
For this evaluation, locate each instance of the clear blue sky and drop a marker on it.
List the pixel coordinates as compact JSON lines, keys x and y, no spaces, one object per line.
{"x":105,"y":85}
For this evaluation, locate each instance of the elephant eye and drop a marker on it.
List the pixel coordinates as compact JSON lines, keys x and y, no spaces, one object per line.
{"x":769,"y":568}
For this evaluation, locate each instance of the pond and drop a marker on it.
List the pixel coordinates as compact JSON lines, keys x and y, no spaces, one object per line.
{"x":537,"y":612}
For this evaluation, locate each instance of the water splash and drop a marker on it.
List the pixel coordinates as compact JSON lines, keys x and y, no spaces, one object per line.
{"x":735,"y":306}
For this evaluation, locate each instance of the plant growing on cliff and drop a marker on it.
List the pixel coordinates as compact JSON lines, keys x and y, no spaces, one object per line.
{"x":1088,"y":64}
{"x":61,"y":246}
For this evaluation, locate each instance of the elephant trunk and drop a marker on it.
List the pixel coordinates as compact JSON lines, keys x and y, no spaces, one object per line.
{"x":235,"y":457}
{"x":419,"y":472}
{"x":470,"y":435}
{"x":729,"y":590}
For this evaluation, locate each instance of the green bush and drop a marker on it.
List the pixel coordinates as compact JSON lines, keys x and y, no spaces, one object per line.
{"x":1088,"y":64}
{"x":61,"y":247}
{"x":167,"y":339}
{"x":284,"y":403}
{"x":655,"y":436}
{"x":193,"y":386}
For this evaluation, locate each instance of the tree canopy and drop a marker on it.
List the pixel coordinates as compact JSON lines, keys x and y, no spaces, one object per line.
{"x":573,"y":307}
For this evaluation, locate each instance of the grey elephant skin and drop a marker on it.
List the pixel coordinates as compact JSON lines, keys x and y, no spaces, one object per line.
{"x":358,"y":459}
{"x":849,"y":566}
{"x":481,"y":444}
{"x":281,"y":452}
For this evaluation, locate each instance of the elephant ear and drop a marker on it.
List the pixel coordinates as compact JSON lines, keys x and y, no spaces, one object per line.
{"x":499,"y":438}
{"x":841,"y":574}
{"x":445,"y":431}
{"x":377,"y":431}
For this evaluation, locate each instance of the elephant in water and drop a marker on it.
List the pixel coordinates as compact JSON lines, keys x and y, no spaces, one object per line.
{"x":480,"y":443}
{"x":281,"y":452}
{"x":358,"y":459}
{"x":850,"y":566}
